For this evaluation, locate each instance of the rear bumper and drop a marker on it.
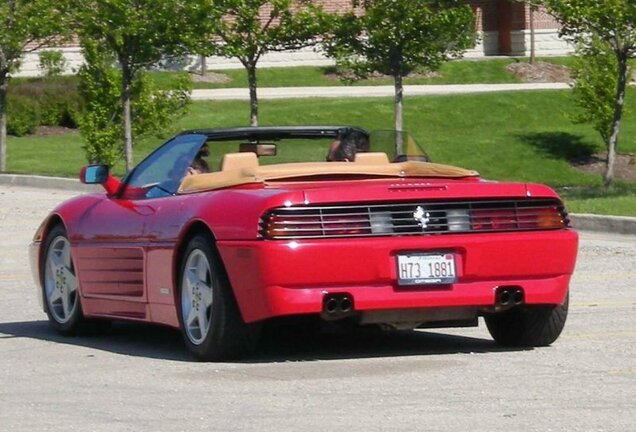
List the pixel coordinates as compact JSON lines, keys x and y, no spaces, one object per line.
{"x":275,"y":278}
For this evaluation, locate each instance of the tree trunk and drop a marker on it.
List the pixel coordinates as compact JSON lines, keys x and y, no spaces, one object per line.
{"x":619,"y":103}
{"x":125,"y":98}
{"x":3,"y":122}
{"x":251,"y":78}
{"x":204,"y":66}
{"x":399,"y":96}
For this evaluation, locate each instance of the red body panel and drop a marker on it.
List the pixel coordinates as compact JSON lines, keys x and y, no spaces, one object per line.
{"x":125,"y":251}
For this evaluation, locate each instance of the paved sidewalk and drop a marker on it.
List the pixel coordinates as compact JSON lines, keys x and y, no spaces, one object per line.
{"x":367,"y":91}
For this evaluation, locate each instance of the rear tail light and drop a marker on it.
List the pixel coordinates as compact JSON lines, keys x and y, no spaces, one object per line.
{"x":345,"y":226}
{"x":541,"y":218}
{"x":493,"y":220}
{"x":308,"y":226}
{"x":398,"y":219}
{"x":520,"y":218}
{"x":291,"y":226}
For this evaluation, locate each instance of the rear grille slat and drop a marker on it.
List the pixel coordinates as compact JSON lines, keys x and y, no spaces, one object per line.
{"x":413,"y":218}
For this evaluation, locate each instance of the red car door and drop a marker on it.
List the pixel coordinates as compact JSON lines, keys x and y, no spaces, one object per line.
{"x":110,"y":256}
{"x":114,"y":237}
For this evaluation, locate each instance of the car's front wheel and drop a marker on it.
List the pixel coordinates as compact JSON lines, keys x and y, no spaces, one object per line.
{"x":61,"y":294}
{"x":210,"y":320}
{"x":528,"y":326}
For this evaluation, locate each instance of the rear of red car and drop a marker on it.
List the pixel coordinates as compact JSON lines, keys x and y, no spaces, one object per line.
{"x":408,"y":253}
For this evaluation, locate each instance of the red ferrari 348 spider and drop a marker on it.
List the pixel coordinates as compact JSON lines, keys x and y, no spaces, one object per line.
{"x":380,"y":236}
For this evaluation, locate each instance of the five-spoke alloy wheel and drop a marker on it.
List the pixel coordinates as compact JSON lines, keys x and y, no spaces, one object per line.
{"x":196,"y":297}
{"x":61,"y":294}
{"x":211,"y":323}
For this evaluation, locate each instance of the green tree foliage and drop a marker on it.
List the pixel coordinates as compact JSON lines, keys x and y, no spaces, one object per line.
{"x":251,"y":28}
{"x":52,"y":63}
{"x":25,"y":26}
{"x":610,"y":22}
{"x":138,"y":34}
{"x":397,"y":37}
{"x":595,"y":73}
{"x":102,"y":125}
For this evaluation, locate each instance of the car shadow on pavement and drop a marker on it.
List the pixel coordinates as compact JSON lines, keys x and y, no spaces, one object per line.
{"x":369,"y":342}
{"x":276,"y":345}
{"x":131,"y":339}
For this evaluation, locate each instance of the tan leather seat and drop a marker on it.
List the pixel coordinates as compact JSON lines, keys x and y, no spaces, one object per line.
{"x":372,"y":158}
{"x":236,"y":161}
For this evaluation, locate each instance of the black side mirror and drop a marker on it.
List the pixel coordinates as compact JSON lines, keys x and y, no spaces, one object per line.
{"x":94,"y":174}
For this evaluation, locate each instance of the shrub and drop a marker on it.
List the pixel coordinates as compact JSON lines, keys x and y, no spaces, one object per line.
{"x":57,"y":98}
{"x":22,"y":116}
{"x":52,"y":63}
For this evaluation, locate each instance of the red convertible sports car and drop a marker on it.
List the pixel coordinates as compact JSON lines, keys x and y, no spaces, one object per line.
{"x":380,"y":236}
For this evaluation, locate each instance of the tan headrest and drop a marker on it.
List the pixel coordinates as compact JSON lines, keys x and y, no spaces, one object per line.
{"x":372,"y":158}
{"x":235,"y":161}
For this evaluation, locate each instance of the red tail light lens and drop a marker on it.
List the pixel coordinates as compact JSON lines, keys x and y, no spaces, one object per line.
{"x":277,"y":226}
{"x":541,"y":218}
{"x":338,"y":225}
{"x":493,"y":220}
{"x":520,"y":218}
{"x":292,"y":226}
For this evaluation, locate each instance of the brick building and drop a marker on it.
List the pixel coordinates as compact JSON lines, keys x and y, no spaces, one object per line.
{"x":503,"y":27}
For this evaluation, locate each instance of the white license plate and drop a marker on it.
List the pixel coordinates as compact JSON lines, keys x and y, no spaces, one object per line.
{"x":421,"y":269}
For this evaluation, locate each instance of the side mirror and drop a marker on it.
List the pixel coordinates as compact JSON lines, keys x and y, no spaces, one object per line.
{"x":99,"y":174}
{"x":94,"y":174}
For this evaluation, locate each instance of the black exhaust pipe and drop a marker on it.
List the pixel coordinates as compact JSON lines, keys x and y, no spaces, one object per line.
{"x":336,"y":306}
{"x":504,"y":297}
{"x":346,"y":305}
{"x":518,"y":297}
{"x":331,"y":305}
{"x":507,"y":297}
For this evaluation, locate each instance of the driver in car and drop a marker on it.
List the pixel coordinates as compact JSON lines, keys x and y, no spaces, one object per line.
{"x":345,"y":147}
{"x":199,"y":165}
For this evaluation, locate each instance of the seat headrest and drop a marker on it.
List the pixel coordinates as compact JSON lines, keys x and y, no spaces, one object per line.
{"x":235,"y":161}
{"x":372,"y":158}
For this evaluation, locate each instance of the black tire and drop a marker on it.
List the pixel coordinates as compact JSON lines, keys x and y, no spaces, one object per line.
{"x":528,"y":326}
{"x":225,"y":335}
{"x":58,"y":279}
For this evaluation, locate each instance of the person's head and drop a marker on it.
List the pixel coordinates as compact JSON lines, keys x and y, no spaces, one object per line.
{"x":349,"y":142}
{"x":204,"y":151}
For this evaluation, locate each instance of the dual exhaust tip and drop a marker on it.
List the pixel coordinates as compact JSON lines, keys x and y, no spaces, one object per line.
{"x":509,"y":296}
{"x":337,"y":305}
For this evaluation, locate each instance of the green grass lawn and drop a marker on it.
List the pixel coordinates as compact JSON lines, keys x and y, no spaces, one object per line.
{"x":465,"y":71}
{"x":456,"y":72}
{"x":521,"y":136}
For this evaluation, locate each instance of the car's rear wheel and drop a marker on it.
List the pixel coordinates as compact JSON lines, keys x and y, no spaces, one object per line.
{"x":61,"y":293}
{"x":210,"y":321}
{"x":528,"y":326}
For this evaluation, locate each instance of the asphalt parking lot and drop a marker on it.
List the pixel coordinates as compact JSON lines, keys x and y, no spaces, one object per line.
{"x":139,"y":378}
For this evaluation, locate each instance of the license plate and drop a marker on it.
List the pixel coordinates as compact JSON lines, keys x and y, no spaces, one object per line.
{"x":422,"y":269}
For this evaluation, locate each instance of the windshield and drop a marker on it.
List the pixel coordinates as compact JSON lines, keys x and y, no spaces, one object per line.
{"x":399,"y":146}
{"x":342,"y":145}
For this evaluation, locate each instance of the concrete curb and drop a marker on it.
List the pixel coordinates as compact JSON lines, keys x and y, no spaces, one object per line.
{"x":44,"y":182}
{"x":613,"y":224}
{"x":584,"y":222}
